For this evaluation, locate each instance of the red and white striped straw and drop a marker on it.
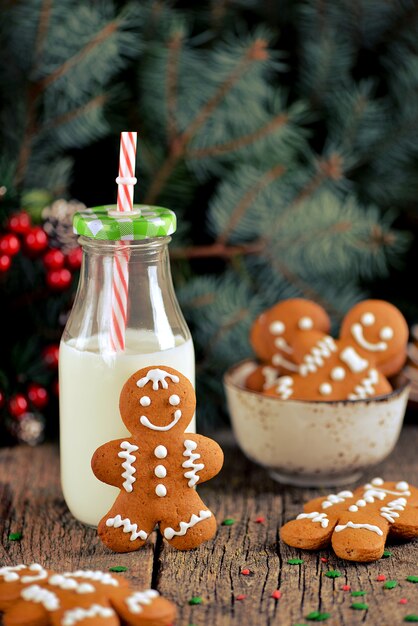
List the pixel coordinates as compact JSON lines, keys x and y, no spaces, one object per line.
{"x":126,"y":181}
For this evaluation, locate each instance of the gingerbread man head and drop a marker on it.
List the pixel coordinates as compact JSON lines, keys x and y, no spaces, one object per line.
{"x":378,"y":330}
{"x":273,"y":332}
{"x":157,"y":400}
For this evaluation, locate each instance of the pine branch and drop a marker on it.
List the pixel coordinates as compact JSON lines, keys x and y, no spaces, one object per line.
{"x":214,"y":339}
{"x":245,"y":140}
{"x":44,"y":18}
{"x":174,"y":47}
{"x":247,"y":200}
{"x":216,"y":250}
{"x":256,"y":52}
{"x":95,"y":103}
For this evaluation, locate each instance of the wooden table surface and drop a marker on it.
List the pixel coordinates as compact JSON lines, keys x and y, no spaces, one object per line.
{"x":31,"y":502}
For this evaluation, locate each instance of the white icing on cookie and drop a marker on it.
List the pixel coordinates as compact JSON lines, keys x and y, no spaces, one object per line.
{"x":368,"y":319}
{"x":102,"y":577}
{"x":336,"y":498}
{"x":389,"y":511}
{"x":41,"y":574}
{"x":378,"y":482}
{"x":365,"y":389}
{"x":386,"y":333}
{"x":315,"y":359}
{"x":138,"y":598}
{"x":279,"y":360}
{"x":402,"y":486}
{"x":35,"y":593}
{"x":305,"y":323}
{"x":321,"y":518}
{"x":174,"y":400}
{"x":169,"y":533}
{"x":130,"y":470}
{"x":325,"y":389}
{"x":145,"y":401}
{"x":9,"y":572}
{"x":284,"y":387}
{"x":354,"y":361}
{"x":157,"y":376}
{"x":190,"y":463}
{"x":337,"y":373}
{"x":160,"y":452}
{"x":270,"y":376}
{"x":127,"y":527}
{"x":160,"y":471}
{"x":357,"y":332}
{"x":72,"y":616}
{"x":68,"y":583}
{"x":161,"y":490}
{"x":371,"y":527}
{"x":277,"y":328}
{"x":145,"y":422}
{"x":281,"y":343}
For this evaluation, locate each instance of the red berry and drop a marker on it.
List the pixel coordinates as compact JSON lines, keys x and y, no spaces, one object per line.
{"x":56,"y":387}
{"x":2,"y":399}
{"x":59,"y":279}
{"x":54,"y":259}
{"x":18,"y":405}
{"x":10,"y":245}
{"x":38,"y":395}
{"x":20,"y":223}
{"x":74,"y":258}
{"x":50,"y":355}
{"x":36,"y":240}
{"x":5,"y":263}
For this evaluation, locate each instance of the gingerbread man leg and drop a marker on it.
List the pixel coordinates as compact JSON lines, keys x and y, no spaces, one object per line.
{"x":127,"y":526}
{"x":189,"y":524}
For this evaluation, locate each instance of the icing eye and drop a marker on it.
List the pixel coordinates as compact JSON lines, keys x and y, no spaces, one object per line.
{"x":325,"y":389}
{"x":338,"y":373}
{"x":386,"y":333}
{"x":368,"y":319}
{"x":174,"y":400}
{"x":305,"y":323}
{"x":277,"y":328}
{"x":145,"y":401}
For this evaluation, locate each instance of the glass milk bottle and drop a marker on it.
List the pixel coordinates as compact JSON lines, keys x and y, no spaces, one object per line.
{"x":91,"y":371}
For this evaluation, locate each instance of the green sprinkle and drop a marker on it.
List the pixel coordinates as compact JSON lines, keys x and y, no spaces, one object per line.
{"x":228,"y":521}
{"x":390,"y":584}
{"x":195,"y":600}
{"x":355,"y":594}
{"x":359,"y":606}
{"x":410,"y":618}
{"x":386,"y":554}
{"x":412,"y":579}
{"x":333,"y":573}
{"x":295,"y":561}
{"x":317,"y":616}
{"x":15,"y":536}
{"x":118,"y":568}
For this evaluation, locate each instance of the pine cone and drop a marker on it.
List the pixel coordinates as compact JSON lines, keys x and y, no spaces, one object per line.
{"x":58,"y":223}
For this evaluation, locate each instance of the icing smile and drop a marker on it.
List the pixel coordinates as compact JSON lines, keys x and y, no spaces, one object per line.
{"x":357,"y":332}
{"x":145,"y":422}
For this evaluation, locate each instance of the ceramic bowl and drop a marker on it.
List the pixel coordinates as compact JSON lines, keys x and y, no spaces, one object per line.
{"x":313,"y":443}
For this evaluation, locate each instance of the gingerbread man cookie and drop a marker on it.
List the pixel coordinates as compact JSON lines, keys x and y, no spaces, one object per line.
{"x":273,"y":332}
{"x":356,"y":524}
{"x":374,"y":333}
{"x":34,"y":596}
{"x":157,"y":468}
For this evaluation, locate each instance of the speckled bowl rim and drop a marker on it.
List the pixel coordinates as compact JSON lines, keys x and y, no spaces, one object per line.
{"x":228,"y":381}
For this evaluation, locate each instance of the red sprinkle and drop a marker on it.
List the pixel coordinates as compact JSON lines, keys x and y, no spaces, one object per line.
{"x":381,"y":577}
{"x":324,"y":559}
{"x":245,"y":572}
{"x":240,"y":597}
{"x":346,"y":588}
{"x":260,"y":519}
{"x":276,"y":594}
{"x":403,"y":601}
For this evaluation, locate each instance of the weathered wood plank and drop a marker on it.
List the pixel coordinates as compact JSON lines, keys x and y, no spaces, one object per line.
{"x":31,"y":501}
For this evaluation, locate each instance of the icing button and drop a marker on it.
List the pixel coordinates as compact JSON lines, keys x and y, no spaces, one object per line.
{"x":160,"y":471}
{"x":160,"y":452}
{"x":161,"y":490}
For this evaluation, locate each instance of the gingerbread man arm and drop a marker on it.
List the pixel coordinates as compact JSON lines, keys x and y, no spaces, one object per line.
{"x":113,"y":463}
{"x":203,"y":458}
{"x":143,"y":607}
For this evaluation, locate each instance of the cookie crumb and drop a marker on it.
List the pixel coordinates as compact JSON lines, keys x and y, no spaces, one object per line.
{"x":228,"y":521}
{"x":195,"y":600}
{"x":276,"y":594}
{"x":295,"y":561}
{"x":333,"y":573}
{"x":15,"y":536}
